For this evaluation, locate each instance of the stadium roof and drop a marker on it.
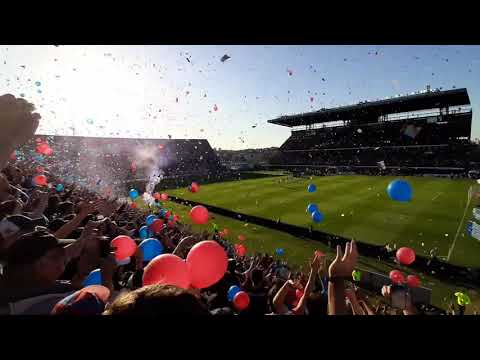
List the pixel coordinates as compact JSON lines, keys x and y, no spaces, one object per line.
{"x":422,"y":101}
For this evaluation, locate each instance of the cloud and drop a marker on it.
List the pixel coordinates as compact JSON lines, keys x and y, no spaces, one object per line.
{"x":396,"y":84}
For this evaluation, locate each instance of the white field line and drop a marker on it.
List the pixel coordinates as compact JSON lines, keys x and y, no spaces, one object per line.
{"x":460,"y":226}
{"x":436,"y":196}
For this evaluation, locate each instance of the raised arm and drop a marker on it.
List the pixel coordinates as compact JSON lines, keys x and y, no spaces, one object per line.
{"x":340,"y":269}
{"x":300,"y":308}
{"x":19,"y":124}
{"x":69,"y":227}
{"x":357,"y":309}
{"x":279,"y":299}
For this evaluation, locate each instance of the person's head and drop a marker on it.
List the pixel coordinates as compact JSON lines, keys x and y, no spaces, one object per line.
{"x":14,"y":226}
{"x":10,"y":207}
{"x":165,"y":300}
{"x":4,"y":185}
{"x":65,"y":207}
{"x":53,"y":202}
{"x":232,"y":265}
{"x":56,"y":224}
{"x":37,"y":257}
{"x":317,"y":304}
{"x":257,"y":277}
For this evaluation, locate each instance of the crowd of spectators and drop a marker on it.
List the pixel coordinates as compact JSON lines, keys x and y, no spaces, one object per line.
{"x":52,"y":238}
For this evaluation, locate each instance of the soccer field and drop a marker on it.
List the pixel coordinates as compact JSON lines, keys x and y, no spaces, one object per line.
{"x":358,"y":207}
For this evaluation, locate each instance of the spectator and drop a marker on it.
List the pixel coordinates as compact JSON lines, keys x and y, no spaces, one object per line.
{"x":157,"y":300}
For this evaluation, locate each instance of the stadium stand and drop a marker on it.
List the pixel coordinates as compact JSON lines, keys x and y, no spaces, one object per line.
{"x":420,"y":133}
{"x":132,"y":160}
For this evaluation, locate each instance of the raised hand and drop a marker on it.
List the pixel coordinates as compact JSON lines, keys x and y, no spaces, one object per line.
{"x":19,"y":124}
{"x":105,"y":208}
{"x":86,"y":208}
{"x":344,"y":264}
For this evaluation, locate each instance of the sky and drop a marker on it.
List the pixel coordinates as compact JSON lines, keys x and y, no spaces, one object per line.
{"x":187,"y":92}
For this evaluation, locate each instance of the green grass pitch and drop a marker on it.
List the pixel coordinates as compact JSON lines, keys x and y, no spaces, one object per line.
{"x":359,"y":207}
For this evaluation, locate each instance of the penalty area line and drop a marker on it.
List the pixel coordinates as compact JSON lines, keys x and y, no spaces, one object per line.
{"x":450,"y":251}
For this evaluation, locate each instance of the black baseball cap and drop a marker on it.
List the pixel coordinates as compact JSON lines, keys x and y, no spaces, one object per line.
{"x":32,"y":246}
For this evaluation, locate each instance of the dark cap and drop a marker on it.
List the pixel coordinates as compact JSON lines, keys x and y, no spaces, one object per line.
{"x":222,"y":311}
{"x":19,"y":224}
{"x":32,"y":246}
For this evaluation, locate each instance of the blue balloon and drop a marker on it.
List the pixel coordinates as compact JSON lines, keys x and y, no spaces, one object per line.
{"x":150,"y":219}
{"x":234,"y":289}
{"x":59,"y":187}
{"x":311,"y":208}
{"x":279,"y":251}
{"x":151,"y":248}
{"x":162,"y":212}
{"x":317,"y":216}
{"x":94,"y":278}
{"x":399,"y":190}
{"x":144,"y":232}
{"x":311,"y":188}
{"x":133,"y":194}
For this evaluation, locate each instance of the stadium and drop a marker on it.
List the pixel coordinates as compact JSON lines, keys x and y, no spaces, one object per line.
{"x":350,"y":153}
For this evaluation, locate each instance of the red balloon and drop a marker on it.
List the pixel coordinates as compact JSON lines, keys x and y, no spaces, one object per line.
{"x":167,"y":214}
{"x":176,"y":217}
{"x":48,"y":151}
{"x":413,"y":281}
{"x":171,"y":224}
{"x":156,"y":196}
{"x":167,"y":269}
{"x":207,"y":263}
{"x":241,"y":300}
{"x":397,"y":277}
{"x":194,"y":187}
{"x":157,"y":225}
{"x":405,"y":255}
{"x":242,"y":237}
{"x":42,"y":148}
{"x":124,"y":247}
{"x":199,"y":214}
{"x":240,"y":249}
{"x":40,"y":180}
{"x":164,"y":196}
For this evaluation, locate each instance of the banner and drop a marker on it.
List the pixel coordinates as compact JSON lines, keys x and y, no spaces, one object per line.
{"x":476,"y":213}
{"x":473,"y":229}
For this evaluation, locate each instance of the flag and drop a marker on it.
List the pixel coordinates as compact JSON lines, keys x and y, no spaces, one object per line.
{"x":411,"y":131}
{"x":473,"y":229}
{"x":476,"y":213}
{"x":382,"y":164}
